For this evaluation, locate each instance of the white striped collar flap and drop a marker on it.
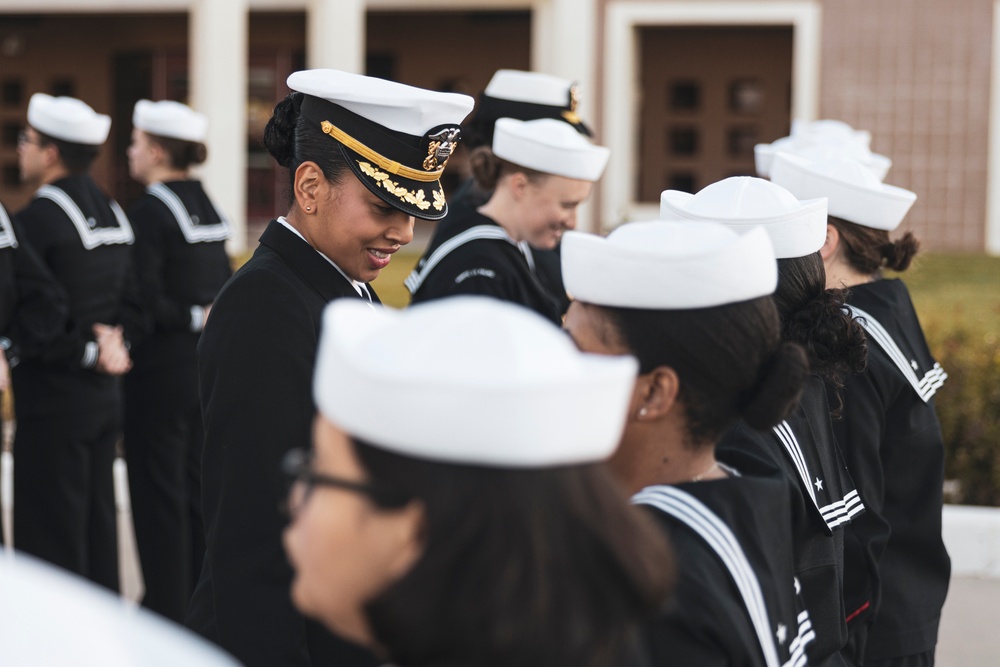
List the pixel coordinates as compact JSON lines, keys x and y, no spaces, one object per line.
{"x":925,"y":386}
{"x":91,"y":237}
{"x":193,"y":232}
{"x":7,"y":237}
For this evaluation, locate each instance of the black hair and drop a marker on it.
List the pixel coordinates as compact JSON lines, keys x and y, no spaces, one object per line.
{"x":730,"y":360}
{"x":488,"y":169}
{"x":182,"y":154}
{"x":292,"y":139}
{"x":817,"y":319}
{"x":869,"y":250}
{"x":519,"y":567}
{"x":76,"y":158}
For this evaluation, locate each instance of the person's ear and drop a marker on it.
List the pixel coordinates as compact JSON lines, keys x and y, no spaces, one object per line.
{"x":309,"y":186}
{"x":831,"y":244}
{"x":409,"y":535}
{"x":655,"y":394}
{"x":518,"y":184}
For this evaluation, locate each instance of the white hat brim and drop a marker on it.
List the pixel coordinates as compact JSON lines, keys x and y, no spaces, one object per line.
{"x":443,"y":406}
{"x":882,"y":207}
{"x":68,"y":119}
{"x":600,"y":271}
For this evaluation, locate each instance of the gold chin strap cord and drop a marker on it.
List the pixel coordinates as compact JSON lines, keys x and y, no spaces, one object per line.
{"x":392,"y":166}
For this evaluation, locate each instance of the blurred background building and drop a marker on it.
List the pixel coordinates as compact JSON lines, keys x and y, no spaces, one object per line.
{"x":681,"y":91}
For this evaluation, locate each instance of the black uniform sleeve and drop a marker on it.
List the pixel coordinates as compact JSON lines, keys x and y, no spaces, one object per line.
{"x":151,"y":220}
{"x":462,"y":273}
{"x":40,"y":307}
{"x":255,"y":367}
{"x":860,"y":432}
{"x":73,"y":347}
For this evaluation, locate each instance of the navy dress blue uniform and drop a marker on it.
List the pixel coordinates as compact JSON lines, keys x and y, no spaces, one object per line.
{"x":181,"y":264}
{"x":893,"y":445}
{"x":69,"y":415}
{"x":256,"y":397}
{"x":736,"y":602}
{"x":824,"y":500}
{"x":472,"y":254}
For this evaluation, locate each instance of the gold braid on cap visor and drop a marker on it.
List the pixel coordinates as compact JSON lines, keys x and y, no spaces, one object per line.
{"x":391,"y":166}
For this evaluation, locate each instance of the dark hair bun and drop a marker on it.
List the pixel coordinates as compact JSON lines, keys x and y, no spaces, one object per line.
{"x":778,"y":387}
{"x":899,"y":253}
{"x":279,"y":134}
{"x":486,"y":168}
{"x":834,"y":341}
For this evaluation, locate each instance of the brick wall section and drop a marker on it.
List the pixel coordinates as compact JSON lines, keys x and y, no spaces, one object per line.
{"x":916,"y":74}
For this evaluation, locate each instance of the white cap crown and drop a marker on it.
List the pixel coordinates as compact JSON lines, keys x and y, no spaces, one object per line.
{"x":68,"y":119}
{"x":796,"y":228}
{"x":167,"y":118}
{"x":534,"y":87}
{"x":549,"y":146}
{"x":469,"y":380}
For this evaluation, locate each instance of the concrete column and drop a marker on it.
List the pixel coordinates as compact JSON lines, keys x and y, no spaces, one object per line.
{"x":335,"y":35}
{"x":563,"y":35}
{"x":218,"y":73}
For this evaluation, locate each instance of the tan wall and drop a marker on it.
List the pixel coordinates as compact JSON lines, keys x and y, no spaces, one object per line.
{"x":78,"y":48}
{"x":917,"y":75}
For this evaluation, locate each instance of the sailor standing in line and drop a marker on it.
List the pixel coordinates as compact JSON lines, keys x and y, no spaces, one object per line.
{"x":524,"y":96}
{"x":32,"y":304}
{"x":539,"y":172}
{"x":691,"y":301}
{"x":68,"y":401}
{"x":364,"y":156}
{"x":181,"y":264}
{"x":890,"y":431}
{"x":802,"y":448}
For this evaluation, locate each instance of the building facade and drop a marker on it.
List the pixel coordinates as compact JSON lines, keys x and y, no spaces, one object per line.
{"x":680,"y":91}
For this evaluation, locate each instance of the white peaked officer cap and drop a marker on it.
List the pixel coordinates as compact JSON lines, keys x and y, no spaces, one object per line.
{"x":170,"y":119}
{"x":470,"y":380}
{"x":825,"y":135}
{"x":669,"y":266}
{"x":395,"y":138}
{"x":853,"y":192}
{"x":797,"y":228}
{"x":51,"y":617}
{"x":549,"y":146}
{"x":67,"y":119}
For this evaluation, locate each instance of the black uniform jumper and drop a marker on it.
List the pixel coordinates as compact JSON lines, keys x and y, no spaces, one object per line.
{"x":824,"y":500}
{"x":32,"y":304}
{"x":892,"y":441}
{"x":472,"y":254}
{"x":547,"y":263}
{"x":255,"y":368}
{"x":736,"y":603}
{"x":182,"y":264}
{"x":68,"y":415}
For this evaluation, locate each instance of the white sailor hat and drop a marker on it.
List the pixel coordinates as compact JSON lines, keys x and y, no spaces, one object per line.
{"x":49,"y":616}
{"x":827,"y":135}
{"x":523,"y":95}
{"x":167,"y":118}
{"x":797,"y":228}
{"x":517,"y":392}
{"x":549,"y":146}
{"x":668,"y":266}
{"x":852,"y":190}
{"x":396,"y":138}
{"x":67,"y":119}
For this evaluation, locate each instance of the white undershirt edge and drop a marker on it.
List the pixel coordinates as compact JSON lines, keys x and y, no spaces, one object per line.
{"x":360,"y":288}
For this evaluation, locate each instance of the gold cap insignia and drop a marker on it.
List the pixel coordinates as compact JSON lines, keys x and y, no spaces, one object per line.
{"x":440,"y":147}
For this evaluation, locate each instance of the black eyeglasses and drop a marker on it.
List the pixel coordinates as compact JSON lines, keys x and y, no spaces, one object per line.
{"x":297,"y":464}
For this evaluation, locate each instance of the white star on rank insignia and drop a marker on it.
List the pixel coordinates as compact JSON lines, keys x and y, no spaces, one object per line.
{"x":798,"y":586}
{"x":913,"y":362}
{"x":818,"y":484}
{"x":782,"y":633}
